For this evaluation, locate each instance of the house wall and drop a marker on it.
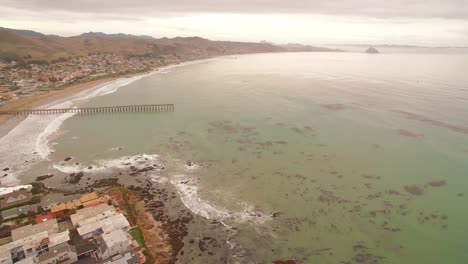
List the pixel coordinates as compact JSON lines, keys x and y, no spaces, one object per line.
{"x":6,"y":261}
{"x":120,"y":248}
{"x":70,"y":256}
{"x":10,"y":201}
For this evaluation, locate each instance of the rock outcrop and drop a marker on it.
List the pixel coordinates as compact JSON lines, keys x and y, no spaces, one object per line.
{"x":372,"y":50}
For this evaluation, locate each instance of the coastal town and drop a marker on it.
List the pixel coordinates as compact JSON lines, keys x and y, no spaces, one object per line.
{"x":44,"y":227}
{"x":31,"y":77}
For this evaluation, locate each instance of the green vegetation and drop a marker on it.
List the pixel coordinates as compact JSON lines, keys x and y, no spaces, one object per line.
{"x":14,"y":87}
{"x":39,"y":62}
{"x":61,"y":59}
{"x":9,"y":56}
{"x":34,"y":200}
{"x":137,"y":234}
{"x":36,"y":188}
{"x":127,"y":206}
{"x":149,"y":258}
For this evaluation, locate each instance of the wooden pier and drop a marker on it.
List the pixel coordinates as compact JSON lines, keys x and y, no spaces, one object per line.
{"x":94,"y":110}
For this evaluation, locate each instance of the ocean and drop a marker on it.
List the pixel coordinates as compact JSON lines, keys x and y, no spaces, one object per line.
{"x":312,"y":157}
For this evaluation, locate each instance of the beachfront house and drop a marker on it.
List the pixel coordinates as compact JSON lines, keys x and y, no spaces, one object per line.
{"x":104,"y":226}
{"x":30,"y":242}
{"x":112,"y":244}
{"x":15,"y":198}
{"x":18,"y":211}
{"x":127,"y":258}
{"x":92,"y":214}
{"x":63,"y":254}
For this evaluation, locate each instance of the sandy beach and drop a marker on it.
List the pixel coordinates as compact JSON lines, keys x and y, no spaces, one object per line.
{"x":8,"y":122}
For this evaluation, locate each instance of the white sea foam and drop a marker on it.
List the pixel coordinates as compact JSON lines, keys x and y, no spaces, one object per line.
{"x":189,"y":194}
{"x":137,"y":161}
{"x":29,"y":142}
{"x":5,"y":190}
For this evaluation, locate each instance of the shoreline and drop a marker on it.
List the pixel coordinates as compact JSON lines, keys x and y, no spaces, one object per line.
{"x":8,"y":122}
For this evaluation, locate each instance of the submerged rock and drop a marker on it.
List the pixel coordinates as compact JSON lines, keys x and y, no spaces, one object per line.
{"x":75,"y":178}
{"x":67,"y":159}
{"x":44,"y":177}
{"x":414,"y":190}
{"x":275,"y":214}
{"x":289,"y":261}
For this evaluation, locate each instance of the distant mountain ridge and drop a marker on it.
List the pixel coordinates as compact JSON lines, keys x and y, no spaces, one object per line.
{"x":30,"y":45}
{"x":113,"y":36}
{"x":398,"y":46}
{"x":27,"y":32}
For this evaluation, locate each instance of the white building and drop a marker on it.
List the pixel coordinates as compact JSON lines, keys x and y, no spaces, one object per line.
{"x":113,"y":243}
{"x":106,"y":225}
{"x":92,"y":214}
{"x":31,"y":241}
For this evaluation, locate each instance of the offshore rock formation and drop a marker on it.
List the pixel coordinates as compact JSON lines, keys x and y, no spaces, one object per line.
{"x":372,"y":50}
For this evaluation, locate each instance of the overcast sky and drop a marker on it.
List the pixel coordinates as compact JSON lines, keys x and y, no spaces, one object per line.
{"x":317,"y":22}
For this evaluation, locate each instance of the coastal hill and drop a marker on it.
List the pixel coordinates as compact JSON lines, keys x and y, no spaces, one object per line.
{"x":113,"y":36}
{"x":31,"y":45}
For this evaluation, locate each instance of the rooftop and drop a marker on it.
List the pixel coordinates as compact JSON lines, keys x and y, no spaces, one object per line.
{"x":25,"y":231}
{"x":115,"y":237}
{"x":128,"y":258}
{"x":81,"y":217}
{"x":117,"y":221}
{"x":88,"y":197}
{"x":14,"y":212}
{"x":54,"y":253}
{"x":56,"y":198}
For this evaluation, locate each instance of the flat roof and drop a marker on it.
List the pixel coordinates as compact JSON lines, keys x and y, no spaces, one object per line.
{"x":128,"y":258}
{"x":59,"y":238}
{"x":117,"y":221}
{"x":27,"y":242}
{"x":88,"y":197}
{"x":55,"y":252}
{"x":25,"y":231}
{"x":115,"y":237}
{"x":56,"y":198}
{"x":89,"y":212}
{"x":13,"y":212}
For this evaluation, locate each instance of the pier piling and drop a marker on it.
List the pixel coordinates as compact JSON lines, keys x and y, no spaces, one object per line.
{"x":94,"y":110}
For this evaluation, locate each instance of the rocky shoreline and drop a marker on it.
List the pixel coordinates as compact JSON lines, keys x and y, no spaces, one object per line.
{"x":187,"y":236}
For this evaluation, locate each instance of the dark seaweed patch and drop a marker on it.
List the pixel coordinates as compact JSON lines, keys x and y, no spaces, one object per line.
{"x":371,"y":177}
{"x":334,"y":107}
{"x":329,"y":197}
{"x":433,"y":122}
{"x":437,"y":183}
{"x":414,"y":190}
{"x":407,"y":133}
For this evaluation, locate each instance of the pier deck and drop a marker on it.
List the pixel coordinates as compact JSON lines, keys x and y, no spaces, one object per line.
{"x":94,"y":110}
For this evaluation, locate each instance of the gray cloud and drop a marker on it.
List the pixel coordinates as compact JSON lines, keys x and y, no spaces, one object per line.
{"x":457,"y":9}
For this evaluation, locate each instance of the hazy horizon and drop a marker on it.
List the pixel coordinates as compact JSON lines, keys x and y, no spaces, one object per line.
{"x":418,"y":23}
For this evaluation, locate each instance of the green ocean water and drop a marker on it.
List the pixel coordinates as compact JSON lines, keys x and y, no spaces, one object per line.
{"x":363,"y":158}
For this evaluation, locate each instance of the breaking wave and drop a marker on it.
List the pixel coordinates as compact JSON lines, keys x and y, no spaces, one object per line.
{"x":189,"y":194}
{"x":125,"y":162}
{"x":29,"y":142}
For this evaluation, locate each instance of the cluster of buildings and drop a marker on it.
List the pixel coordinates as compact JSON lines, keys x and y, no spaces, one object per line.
{"x":66,"y":229}
{"x":19,"y":79}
